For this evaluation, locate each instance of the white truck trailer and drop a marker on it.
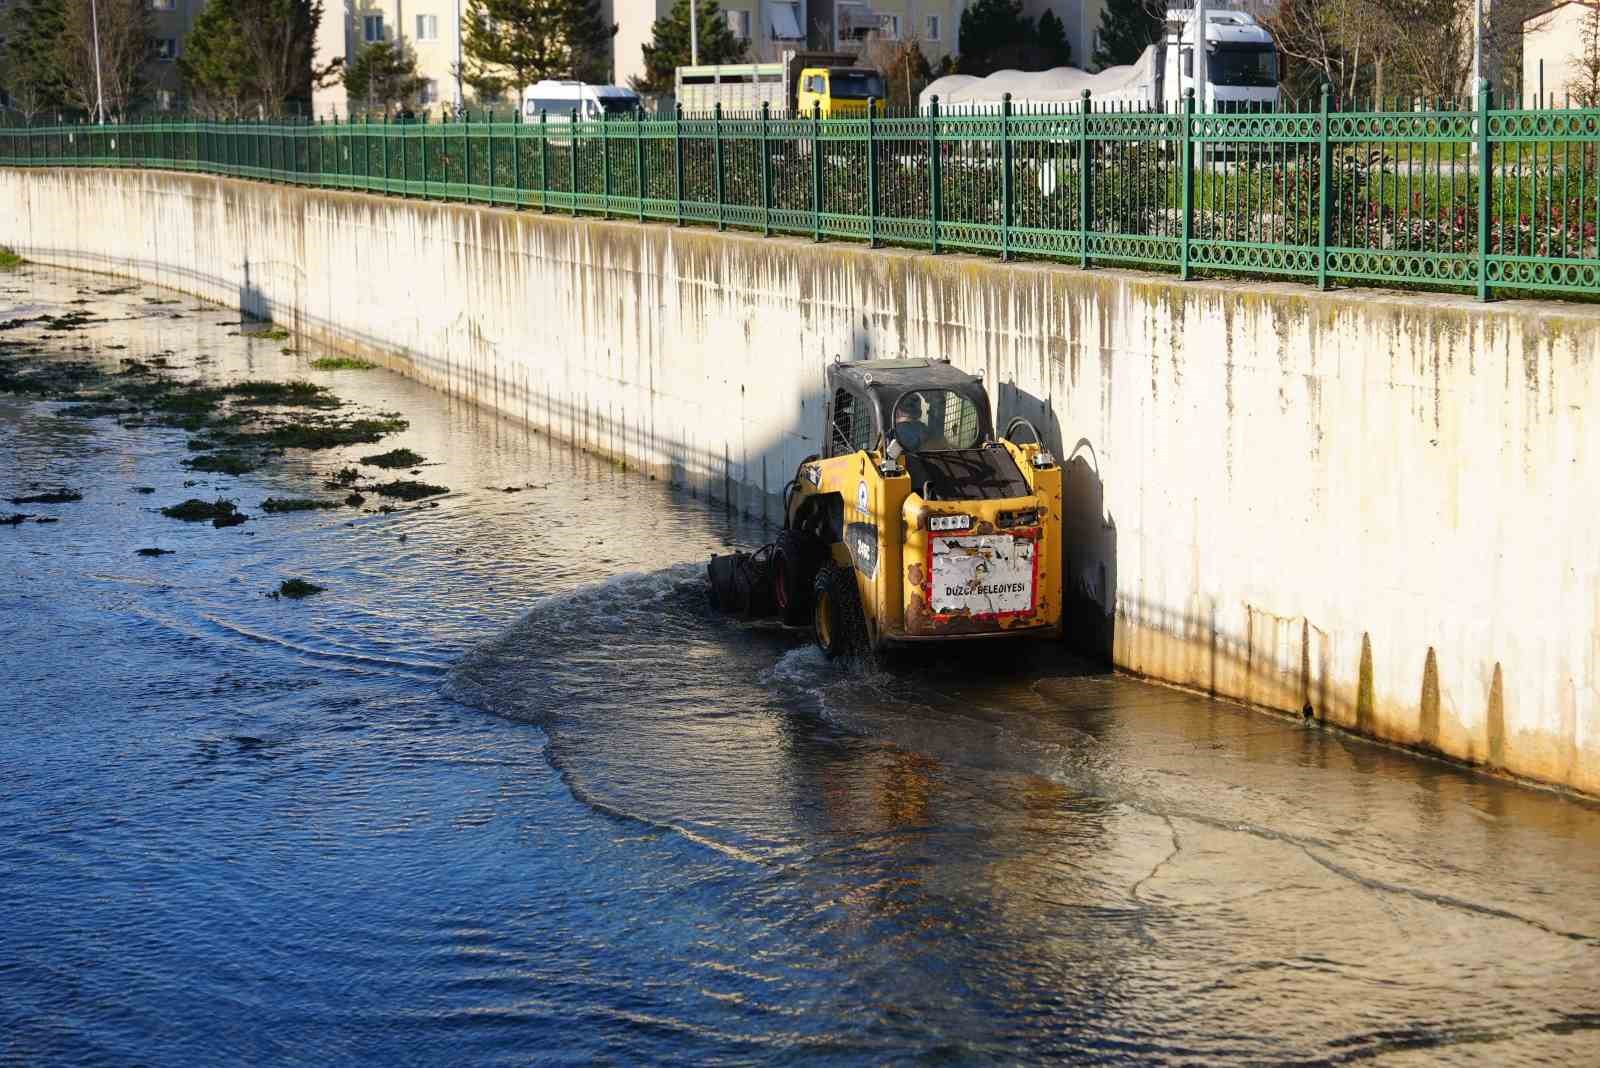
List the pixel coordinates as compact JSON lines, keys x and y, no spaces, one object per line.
{"x":1241,"y":72}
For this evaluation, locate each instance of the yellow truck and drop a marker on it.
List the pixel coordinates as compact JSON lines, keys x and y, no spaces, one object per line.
{"x":797,"y":85}
{"x":914,"y":524}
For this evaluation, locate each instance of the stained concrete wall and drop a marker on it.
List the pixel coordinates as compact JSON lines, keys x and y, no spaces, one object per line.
{"x":1378,"y":506}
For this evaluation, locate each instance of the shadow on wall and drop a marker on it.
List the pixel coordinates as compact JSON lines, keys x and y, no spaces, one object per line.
{"x":252,"y":301}
{"x":1089,"y":533}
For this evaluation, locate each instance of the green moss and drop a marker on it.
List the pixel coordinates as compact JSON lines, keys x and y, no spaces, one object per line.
{"x":394,"y":458}
{"x":296,"y":589}
{"x":195,"y":510}
{"x":292,"y":394}
{"x":271,"y":333}
{"x":278,"y":505}
{"x":223,"y":463}
{"x":342,"y":363}
{"x":330,"y":435}
{"x":60,"y":496}
{"x":409,"y":491}
{"x":9,"y":260}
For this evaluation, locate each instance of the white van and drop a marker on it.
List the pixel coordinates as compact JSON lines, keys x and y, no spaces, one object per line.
{"x":557,"y":99}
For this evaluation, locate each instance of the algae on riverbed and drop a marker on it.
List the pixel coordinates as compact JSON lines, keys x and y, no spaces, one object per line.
{"x":394,"y":458}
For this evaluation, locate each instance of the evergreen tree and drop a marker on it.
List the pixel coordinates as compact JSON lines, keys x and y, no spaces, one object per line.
{"x":215,"y":65}
{"x":30,"y":67}
{"x":1054,"y":48}
{"x":669,"y":45}
{"x":1127,"y":28}
{"x":996,"y":35}
{"x":512,"y":43}
{"x":384,"y":74}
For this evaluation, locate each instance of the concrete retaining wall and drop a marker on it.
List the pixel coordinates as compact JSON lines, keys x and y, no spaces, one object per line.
{"x":1378,"y":506}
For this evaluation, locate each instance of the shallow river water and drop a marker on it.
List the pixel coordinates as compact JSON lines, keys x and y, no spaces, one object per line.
{"x":508,"y":792}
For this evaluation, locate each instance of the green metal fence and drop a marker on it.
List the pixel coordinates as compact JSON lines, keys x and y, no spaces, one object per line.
{"x":1480,"y":199}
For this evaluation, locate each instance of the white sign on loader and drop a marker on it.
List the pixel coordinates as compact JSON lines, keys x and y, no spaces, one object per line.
{"x":986,"y":574}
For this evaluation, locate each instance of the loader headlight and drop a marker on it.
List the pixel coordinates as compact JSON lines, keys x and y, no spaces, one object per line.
{"x":1043,"y":459}
{"x":949,"y":522}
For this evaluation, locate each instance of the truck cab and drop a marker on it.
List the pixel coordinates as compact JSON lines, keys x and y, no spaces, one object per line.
{"x":915,"y":523}
{"x":838,"y":92}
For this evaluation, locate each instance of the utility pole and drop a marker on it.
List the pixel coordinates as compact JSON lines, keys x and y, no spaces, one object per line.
{"x":461,"y":96}
{"x":1200,"y":52}
{"x":1477,"y":42}
{"x":694,"y":34}
{"x":99,"y":86}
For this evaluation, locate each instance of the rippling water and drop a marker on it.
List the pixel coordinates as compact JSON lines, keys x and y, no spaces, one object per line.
{"x":508,"y":792}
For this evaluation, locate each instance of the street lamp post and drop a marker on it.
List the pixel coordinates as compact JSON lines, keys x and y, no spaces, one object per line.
{"x":99,"y":86}
{"x":694,"y":34}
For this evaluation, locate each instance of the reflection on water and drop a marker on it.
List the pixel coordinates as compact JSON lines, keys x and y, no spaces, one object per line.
{"x":509,"y":792}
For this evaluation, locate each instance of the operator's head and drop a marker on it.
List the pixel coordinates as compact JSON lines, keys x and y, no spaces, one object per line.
{"x":909,"y":409}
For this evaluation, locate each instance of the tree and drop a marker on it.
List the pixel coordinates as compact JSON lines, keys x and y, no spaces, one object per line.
{"x":124,"y":47}
{"x":30,"y":68}
{"x":384,"y":74}
{"x":906,"y":71}
{"x":1585,"y":66}
{"x":1127,"y":28}
{"x":279,"y":38}
{"x":996,"y":35}
{"x":215,"y":64}
{"x":529,"y":40}
{"x":1054,"y":47}
{"x":669,"y":45}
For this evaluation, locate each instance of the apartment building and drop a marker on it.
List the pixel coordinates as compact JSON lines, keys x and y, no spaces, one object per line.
{"x":430,"y":28}
{"x":170,"y":23}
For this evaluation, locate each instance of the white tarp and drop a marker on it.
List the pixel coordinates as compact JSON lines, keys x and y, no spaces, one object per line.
{"x":984,"y":574}
{"x":1061,"y":85}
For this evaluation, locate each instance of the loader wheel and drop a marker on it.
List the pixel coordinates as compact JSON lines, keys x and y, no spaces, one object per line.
{"x":795,"y":559}
{"x":836,"y":619}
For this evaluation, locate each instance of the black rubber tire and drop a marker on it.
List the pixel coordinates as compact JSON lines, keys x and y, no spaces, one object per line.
{"x":795,"y":560}
{"x":837,"y":622}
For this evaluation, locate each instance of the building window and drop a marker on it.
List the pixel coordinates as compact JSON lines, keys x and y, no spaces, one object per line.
{"x":372,"y":28}
{"x":933,"y":27}
{"x":430,"y":92}
{"x":163,"y":5}
{"x":890,"y":27}
{"x":166,"y":49}
{"x":164,"y":99}
{"x":739,"y":23}
{"x":783,"y":21}
{"x":427,"y":27}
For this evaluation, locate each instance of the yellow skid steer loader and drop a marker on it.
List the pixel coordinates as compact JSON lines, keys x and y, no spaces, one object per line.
{"x":915,"y":523}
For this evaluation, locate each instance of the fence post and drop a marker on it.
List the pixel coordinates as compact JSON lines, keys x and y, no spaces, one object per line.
{"x":677,"y":157}
{"x":605,"y":164}
{"x":572,"y":169}
{"x":1086,"y":180}
{"x":1324,"y":190}
{"x":544,"y":163}
{"x":816,"y":170}
{"x":492,"y":184}
{"x":766,"y":172}
{"x":516,"y":159}
{"x":872,"y":172}
{"x":935,"y":175}
{"x":716,"y":119}
{"x":1485,"y":180}
{"x":1005,"y":177}
{"x":386,"y":189}
{"x":638,"y":157}
{"x":1187,"y":118}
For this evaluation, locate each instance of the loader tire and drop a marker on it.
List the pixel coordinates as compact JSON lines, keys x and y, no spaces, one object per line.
{"x":795,"y":560}
{"x":837,"y":622}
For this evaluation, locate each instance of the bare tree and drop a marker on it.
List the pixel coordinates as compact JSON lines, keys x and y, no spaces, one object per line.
{"x":124,"y":47}
{"x":1585,"y":66}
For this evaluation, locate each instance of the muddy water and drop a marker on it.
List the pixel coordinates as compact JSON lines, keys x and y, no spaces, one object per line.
{"x":507,"y":792}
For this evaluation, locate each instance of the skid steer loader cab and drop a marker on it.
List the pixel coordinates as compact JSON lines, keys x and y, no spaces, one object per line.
{"x":915,"y":523}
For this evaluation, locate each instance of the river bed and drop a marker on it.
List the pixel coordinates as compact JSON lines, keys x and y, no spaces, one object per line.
{"x":508,"y":792}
